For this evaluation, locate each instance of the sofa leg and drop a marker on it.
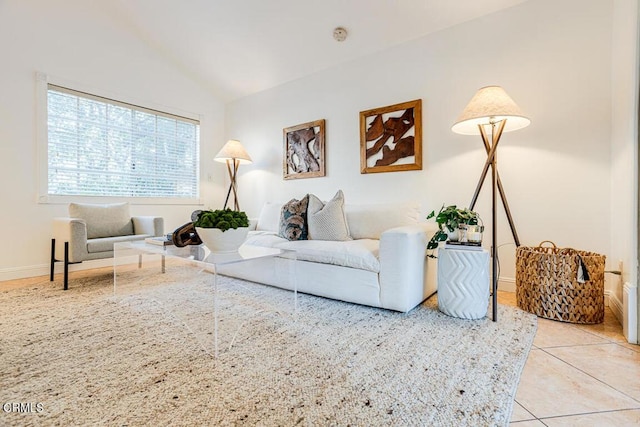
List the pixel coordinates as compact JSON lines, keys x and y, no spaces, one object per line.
{"x":53,"y":259}
{"x":66,"y":266}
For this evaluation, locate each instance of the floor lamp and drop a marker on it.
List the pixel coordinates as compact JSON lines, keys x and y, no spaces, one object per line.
{"x":234,"y":154}
{"x":491,"y":108}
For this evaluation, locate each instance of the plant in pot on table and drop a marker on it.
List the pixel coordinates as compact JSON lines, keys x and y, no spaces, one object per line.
{"x":449,"y":220}
{"x":222,"y":230}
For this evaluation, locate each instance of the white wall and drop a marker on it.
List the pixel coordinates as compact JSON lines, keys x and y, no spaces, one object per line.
{"x":552,"y":57}
{"x":78,"y":42}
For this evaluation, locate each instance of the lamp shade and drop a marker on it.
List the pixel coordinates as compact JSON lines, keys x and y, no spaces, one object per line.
{"x":233,"y":150}
{"x":490,"y":104}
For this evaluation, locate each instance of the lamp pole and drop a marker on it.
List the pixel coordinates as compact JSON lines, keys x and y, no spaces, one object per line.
{"x":494,"y":222}
{"x":496,"y":132}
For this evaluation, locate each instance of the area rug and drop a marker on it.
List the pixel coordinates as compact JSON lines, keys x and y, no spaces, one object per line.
{"x":145,"y":357}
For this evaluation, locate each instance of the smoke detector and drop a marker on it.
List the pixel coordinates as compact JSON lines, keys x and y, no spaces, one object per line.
{"x":340,"y":34}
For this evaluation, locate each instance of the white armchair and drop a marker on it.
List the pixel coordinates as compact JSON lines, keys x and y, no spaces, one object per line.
{"x":91,"y":230}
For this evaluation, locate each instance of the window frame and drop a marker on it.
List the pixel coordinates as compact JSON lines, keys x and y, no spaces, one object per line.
{"x":43,"y":197}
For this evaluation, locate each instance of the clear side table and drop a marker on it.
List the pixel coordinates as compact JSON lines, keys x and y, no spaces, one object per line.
{"x":463,"y":282}
{"x":204,"y":260}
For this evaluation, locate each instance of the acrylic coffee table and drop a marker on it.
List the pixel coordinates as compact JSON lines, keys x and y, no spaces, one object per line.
{"x":201,"y":259}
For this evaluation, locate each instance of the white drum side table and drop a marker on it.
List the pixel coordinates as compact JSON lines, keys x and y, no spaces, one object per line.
{"x":463,"y":282}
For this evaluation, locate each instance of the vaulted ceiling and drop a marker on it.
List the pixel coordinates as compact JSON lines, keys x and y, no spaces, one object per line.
{"x":239,"y":47}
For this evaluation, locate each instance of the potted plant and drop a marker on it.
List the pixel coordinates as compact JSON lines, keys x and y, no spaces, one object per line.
{"x":449,"y":220}
{"x":222,"y":230}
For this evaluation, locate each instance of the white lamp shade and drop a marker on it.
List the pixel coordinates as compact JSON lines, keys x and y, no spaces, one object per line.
{"x":233,"y":150}
{"x":490,"y":104}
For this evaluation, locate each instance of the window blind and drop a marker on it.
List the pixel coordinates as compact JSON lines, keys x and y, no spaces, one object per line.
{"x":103,"y":147}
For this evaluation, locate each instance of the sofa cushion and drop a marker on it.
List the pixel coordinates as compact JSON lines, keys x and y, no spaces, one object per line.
{"x":327,"y":221}
{"x":269,"y":219}
{"x":293,"y":219}
{"x":267,"y":239}
{"x":105,"y":244}
{"x":103,"y":220}
{"x":361,"y":254}
{"x":369,"y":221}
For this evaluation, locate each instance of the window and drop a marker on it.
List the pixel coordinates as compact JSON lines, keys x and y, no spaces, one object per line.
{"x":101,"y":147}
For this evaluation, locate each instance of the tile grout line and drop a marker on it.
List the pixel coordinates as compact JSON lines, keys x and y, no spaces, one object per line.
{"x":528,"y":411}
{"x":610,"y":411}
{"x":624,"y":345}
{"x":607,"y":340}
{"x":583,"y":328}
{"x":591,"y":376}
{"x":580,"y":345}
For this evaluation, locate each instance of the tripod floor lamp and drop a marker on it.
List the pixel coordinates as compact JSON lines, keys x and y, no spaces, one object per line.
{"x":491,"y":108}
{"x":234,"y":154}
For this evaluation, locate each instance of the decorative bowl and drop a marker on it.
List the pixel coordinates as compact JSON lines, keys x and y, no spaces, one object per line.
{"x":219,"y":241}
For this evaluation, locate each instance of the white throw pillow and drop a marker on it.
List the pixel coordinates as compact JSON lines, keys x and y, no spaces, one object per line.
{"x":269,"y":219}
{"x":327,"y":221}
{"x":370,"y":221}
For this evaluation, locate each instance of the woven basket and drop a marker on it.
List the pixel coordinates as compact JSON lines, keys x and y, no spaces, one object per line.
{"x":547,"y":283}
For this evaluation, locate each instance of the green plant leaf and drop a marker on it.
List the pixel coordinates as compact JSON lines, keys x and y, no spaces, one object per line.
{"x":449,"y":218}
{"x":222,"y":219}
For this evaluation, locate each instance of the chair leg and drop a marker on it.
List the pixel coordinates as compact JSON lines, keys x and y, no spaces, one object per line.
{"x":66,"y":266}
{"x":53,"y":259}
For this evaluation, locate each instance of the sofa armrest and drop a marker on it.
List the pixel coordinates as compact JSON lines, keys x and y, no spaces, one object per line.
{"x":151,"y":225}
{"x":74,"y":231}
{"x":407,"y":276}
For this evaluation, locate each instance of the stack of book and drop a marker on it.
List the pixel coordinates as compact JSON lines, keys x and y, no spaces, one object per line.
{"x":471,"y":246}
{"x":159,"y":241}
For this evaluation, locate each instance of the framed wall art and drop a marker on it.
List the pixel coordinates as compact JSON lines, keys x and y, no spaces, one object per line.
{"x":391,"y":138}
{"x":304,"y":150}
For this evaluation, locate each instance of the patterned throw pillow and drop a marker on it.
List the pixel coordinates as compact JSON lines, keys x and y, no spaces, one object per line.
{"x":293,"y":219}
{"x":327,"y":221}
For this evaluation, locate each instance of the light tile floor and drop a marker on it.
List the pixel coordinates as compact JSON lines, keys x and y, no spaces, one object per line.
{"x":578,"y":375}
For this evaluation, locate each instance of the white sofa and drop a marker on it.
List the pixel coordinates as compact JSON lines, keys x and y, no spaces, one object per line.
{"x":383,"y":266}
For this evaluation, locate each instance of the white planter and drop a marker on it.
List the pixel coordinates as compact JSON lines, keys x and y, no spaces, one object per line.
{"x":223,"y":241}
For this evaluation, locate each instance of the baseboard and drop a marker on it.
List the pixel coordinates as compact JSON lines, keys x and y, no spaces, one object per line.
{"x":14,"y":273}
{"x":507,"y":284}
{"x":616,"y":306}
{"x":630,"y":312}
{"x":625,"y":311}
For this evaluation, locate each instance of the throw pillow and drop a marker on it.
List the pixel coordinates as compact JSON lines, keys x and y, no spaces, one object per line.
{"x":370,"y":221}
{"x":293,"y":219}
{"x":269,"y":219}
{"x":103,"y":220}
{"x":327,"y":221}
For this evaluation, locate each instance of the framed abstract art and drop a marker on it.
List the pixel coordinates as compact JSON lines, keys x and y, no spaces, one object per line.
{"x":304,"y":150}
{"x":391,"y":138}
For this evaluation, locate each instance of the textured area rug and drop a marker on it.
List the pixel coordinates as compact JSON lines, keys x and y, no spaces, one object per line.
{"x":145,"y":357}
